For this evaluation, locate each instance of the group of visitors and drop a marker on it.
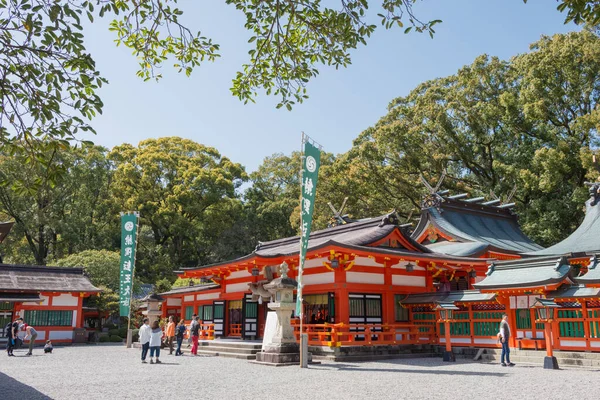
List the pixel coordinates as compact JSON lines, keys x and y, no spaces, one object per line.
{"x":151,"y":338}
{"x":17,"y":332}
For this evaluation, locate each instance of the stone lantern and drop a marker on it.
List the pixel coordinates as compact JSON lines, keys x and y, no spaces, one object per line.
{"x":279,"y":343}
{"x":152,"y":304}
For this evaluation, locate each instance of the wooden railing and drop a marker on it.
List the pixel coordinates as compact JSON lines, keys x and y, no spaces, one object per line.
{"x":206,"y":331}
{"x":235,"y":330}
{"x":337,"y":335}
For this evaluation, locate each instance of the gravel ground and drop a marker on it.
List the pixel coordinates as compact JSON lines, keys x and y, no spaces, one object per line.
{"x":114,"y":372}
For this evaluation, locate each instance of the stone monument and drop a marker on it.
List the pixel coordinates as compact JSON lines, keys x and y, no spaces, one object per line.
{"x":152,"y":304}
{"x":279,"y":344}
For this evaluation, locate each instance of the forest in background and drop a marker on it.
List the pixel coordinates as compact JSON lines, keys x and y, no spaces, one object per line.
{"x":529,"y":123}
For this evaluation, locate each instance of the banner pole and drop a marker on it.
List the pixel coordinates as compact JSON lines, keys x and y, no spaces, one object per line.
{"x":129,"y":330}
{"x":300,"y":266}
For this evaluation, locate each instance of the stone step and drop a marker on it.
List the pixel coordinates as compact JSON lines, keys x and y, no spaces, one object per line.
{"x":241,"y":356}
{"x":226,"y":349}
{"x":230,"y":344}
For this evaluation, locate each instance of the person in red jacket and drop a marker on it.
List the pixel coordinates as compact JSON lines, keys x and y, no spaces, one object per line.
{"x":195,"y":335}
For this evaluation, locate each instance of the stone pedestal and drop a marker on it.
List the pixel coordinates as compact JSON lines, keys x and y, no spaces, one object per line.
{"x":279,"y":344}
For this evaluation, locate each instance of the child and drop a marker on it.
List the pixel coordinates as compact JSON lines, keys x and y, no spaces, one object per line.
{"x":48,"y":347}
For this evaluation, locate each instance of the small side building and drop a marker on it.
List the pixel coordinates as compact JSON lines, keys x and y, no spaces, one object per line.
{"x":48,"y":298}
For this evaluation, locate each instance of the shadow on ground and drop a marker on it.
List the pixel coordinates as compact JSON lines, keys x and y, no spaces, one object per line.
{"x":12,"y":389}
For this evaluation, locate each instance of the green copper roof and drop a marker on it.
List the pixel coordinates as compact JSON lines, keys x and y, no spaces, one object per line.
{"x":573,"y":291}
{"x":525,"y":273}
{"x":585,"y":239}
{"x":493,"y":227}
{"x":462,"y":296}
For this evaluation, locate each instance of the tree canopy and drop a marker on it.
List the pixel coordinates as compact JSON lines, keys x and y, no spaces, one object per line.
{"x":49,"y":81}
{"x":530,"y":122}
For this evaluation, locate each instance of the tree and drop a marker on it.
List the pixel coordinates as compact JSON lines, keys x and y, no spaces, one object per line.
{"x":101,"y":266}
{"x":492,"y":125}
{"x":60,"y":205}
{"x":184,"y":192}
{"x":48,"y":81}
{"x":103,"y":269}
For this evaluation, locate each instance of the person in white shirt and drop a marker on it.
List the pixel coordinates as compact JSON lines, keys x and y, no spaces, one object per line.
{"x":155,"y":340}
{"x":145,"y":334}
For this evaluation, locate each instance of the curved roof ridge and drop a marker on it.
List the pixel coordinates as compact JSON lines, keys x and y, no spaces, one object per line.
{"x":585,"y":239}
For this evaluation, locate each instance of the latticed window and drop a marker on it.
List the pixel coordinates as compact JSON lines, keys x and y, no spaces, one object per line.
{"x":208,"y":313}
{"x":48,"y":318}
{"x":401,"y":312}
{"x":189,"y":311}
{"x":523,"y":318}
{"x":356,"y":307}
{"x":251,"y":310}
{"x":373,"y":307}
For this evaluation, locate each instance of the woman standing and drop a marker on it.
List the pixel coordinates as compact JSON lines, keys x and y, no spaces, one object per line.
{"x":155,"y":339}
{"x":170,"y":334}
{"x":179,"y":333}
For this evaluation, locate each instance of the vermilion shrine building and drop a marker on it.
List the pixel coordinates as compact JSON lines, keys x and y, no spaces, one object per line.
{"x":374,"y":275}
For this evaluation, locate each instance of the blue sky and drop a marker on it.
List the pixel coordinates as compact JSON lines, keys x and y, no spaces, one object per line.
{"x":342,"y":103}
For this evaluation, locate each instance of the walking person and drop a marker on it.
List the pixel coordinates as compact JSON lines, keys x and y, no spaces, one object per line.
{"x":170,"y":334}
{"x":145,"y":334}
{"x":155,"y":340}
{"x":195,"y":332}
{"x":32,"y":334}
{"x":179,"y":333}
{"x":504,"y":339}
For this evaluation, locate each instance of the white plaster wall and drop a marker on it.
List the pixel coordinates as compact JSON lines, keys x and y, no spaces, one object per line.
{"x":33,"y":303}
{"x":572,"y":343}
{"x":366,"y":262}
{"x":74,"y":320}
{"x":317,"y":279}
{"x":171,"y":301}
{"x":58,"y":335}
{"x":237,"y":287}
{"x":64,"y":299}
{"x":189,"y":298}
{"x":364,"y":277}
{"x":314,"y":263}
{"x":42,"y":335}
{"x":239,"y":274}
{"x":408,"y":280}
{"x":208,"y":296}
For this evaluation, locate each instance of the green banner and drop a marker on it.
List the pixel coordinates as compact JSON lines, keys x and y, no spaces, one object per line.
{"x":129,"y":225}
{"x":310,"y":174}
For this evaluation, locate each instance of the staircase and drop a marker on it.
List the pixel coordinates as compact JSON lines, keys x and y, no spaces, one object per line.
{"x":567,"y":359}
{"x":244,"y":350}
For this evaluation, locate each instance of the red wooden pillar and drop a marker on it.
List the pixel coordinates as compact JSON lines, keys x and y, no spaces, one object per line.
{"x":471,"y":324}
{"x":389,"y":303}
{"x":342,"y":305}
{"x":80,"y":320}
{"x":586,"y":324}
